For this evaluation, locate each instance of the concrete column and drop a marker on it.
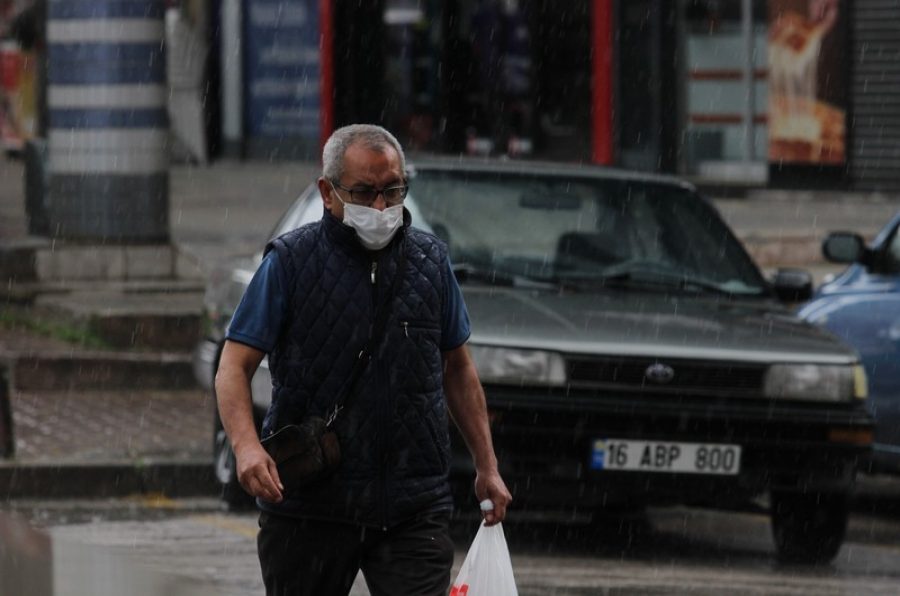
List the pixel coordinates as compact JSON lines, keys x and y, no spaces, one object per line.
{"x":231,"y":60}
{"x":108,"y":127}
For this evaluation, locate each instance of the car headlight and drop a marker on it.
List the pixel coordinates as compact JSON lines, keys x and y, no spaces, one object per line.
{"x":860,"y":382}
{"x":512,"y":366}
{"x":816,"y":382}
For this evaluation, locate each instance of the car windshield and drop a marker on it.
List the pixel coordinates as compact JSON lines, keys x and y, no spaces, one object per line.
{"x":582,"y":232}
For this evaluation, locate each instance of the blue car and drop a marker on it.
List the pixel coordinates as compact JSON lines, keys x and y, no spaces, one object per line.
{"x":862,"y":307}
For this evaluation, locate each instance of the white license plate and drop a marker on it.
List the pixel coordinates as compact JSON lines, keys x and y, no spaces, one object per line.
{"x":662,"y":456}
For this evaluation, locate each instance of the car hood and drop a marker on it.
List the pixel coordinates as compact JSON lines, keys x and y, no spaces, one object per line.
{"x":628,"y":323}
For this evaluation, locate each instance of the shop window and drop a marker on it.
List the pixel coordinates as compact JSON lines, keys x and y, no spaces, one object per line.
{"x":496,"y":104}
{"x":411,"y":72}
{"x":716,"y":90}
{"x":459,"y":75}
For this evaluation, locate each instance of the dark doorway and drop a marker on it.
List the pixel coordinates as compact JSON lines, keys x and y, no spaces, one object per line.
{"x":562,"y":63}
{"x":647,"y":100}
{"x":359,"y":50}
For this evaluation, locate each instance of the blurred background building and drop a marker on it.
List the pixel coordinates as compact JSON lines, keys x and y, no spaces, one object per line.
{"x":738,"y":92}
{"x":22,"y":35}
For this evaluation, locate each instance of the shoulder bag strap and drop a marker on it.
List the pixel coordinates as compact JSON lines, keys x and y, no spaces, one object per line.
{"x":377,"y":331}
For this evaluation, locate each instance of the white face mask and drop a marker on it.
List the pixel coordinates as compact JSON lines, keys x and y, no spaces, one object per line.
{"x":375,"y":228}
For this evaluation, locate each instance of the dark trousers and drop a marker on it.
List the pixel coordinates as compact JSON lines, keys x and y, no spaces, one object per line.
{"x":304,"y":556}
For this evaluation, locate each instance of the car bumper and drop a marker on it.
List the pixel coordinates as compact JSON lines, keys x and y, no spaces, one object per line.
{"x":544,"y":444}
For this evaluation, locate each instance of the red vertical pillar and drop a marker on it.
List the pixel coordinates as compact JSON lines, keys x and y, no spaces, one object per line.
{"x":326,"y":75}
{"x":602,"y":40}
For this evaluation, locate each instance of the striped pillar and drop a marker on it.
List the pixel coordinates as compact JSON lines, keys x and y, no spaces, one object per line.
{"x":108,"y":127}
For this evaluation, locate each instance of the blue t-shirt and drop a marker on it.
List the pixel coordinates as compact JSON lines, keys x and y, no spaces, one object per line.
{"x":258,"y":318}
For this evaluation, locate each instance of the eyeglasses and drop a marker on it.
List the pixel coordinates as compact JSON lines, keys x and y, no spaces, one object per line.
{"x":366,"y":197}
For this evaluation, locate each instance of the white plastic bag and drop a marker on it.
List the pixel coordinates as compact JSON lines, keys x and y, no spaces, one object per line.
{"x":487,"y":569}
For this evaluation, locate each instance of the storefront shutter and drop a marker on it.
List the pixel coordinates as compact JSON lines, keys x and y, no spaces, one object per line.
{"x":875,"y":87}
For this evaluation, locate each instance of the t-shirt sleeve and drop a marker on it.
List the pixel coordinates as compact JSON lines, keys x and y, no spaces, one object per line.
{"x":455,"y":328}
{"x":257,"y":320}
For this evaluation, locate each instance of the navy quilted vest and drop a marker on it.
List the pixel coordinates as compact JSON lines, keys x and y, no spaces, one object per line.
{"x":394,"y":437}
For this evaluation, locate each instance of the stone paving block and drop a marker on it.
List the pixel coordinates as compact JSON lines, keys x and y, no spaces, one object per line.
{"x":63,"y":262}
{"x":142,"y":262}
{"x":164,"y":332}
{"x":109,"y":263}
{"x":17,"y":260}
{"x":785,"y":251}
{"x":110,"y":443}
{"x":82,"y":370}
{"x":188,"y":266}
{"x":149,"y":319}
{"x":68,"y":427}
{"x":103,"y":480}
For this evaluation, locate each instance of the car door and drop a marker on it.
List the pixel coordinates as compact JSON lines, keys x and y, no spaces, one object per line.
{"x":863,"y":308}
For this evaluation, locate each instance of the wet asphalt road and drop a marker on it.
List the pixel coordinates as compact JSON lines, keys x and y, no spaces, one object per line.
{"x":197,"y":548}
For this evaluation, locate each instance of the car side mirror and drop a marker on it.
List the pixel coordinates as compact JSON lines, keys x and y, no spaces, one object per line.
{"x":793,"y":285}
{"x":844,"y":247}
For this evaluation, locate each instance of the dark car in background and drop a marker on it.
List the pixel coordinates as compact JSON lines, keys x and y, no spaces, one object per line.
{"x":630,"y":350}
{"x":862,"y":307}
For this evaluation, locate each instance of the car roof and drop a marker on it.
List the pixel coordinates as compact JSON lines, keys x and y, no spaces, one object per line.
{"x":542,"y":168}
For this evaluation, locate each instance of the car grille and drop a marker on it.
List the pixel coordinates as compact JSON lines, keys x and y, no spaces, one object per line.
{"x":687,"y":377}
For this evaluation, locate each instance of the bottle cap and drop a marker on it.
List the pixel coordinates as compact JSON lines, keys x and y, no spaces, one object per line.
{"x":486,"y":505}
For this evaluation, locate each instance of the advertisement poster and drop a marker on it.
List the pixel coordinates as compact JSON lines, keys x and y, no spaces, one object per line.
{"x":281,"y":67}
{"x":18,"y":104}
{"x":807,"y":82}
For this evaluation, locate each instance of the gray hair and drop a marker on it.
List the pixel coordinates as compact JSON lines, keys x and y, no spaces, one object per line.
{"x":371,"y":136}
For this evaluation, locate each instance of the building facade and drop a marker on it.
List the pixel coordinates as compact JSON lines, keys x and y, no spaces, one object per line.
{"x":748,"y":92}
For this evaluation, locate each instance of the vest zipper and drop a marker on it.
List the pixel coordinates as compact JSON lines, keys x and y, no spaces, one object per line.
{"x":385,"y":455}
{"x":374,"y":270}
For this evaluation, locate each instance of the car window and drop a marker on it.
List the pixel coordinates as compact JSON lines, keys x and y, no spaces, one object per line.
{"x":307,"y":208}
{"x":551,"y":228}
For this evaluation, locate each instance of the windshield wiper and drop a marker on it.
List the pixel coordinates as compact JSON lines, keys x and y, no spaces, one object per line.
{"x":699,"y":285}
{"x":656,"y":281}
{"x":467,"y":273}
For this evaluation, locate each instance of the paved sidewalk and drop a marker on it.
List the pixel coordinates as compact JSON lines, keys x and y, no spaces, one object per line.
{"x":121,"y":426}
{"x":93,"y":433}
{"x":86,"y":422}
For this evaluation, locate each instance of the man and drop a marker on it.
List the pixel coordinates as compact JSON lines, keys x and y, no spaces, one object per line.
{"x":311,"y":306}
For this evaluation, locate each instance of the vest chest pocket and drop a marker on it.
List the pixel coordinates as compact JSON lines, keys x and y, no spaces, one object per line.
{"x":418,"y":355}
{"x":412,"y":329}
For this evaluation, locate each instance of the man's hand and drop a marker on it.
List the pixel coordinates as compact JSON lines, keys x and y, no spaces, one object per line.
{"x":255,"y":469}
{"x":490,"y":486}
{"x":257,"y":473}
{"x":465,"y":399}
